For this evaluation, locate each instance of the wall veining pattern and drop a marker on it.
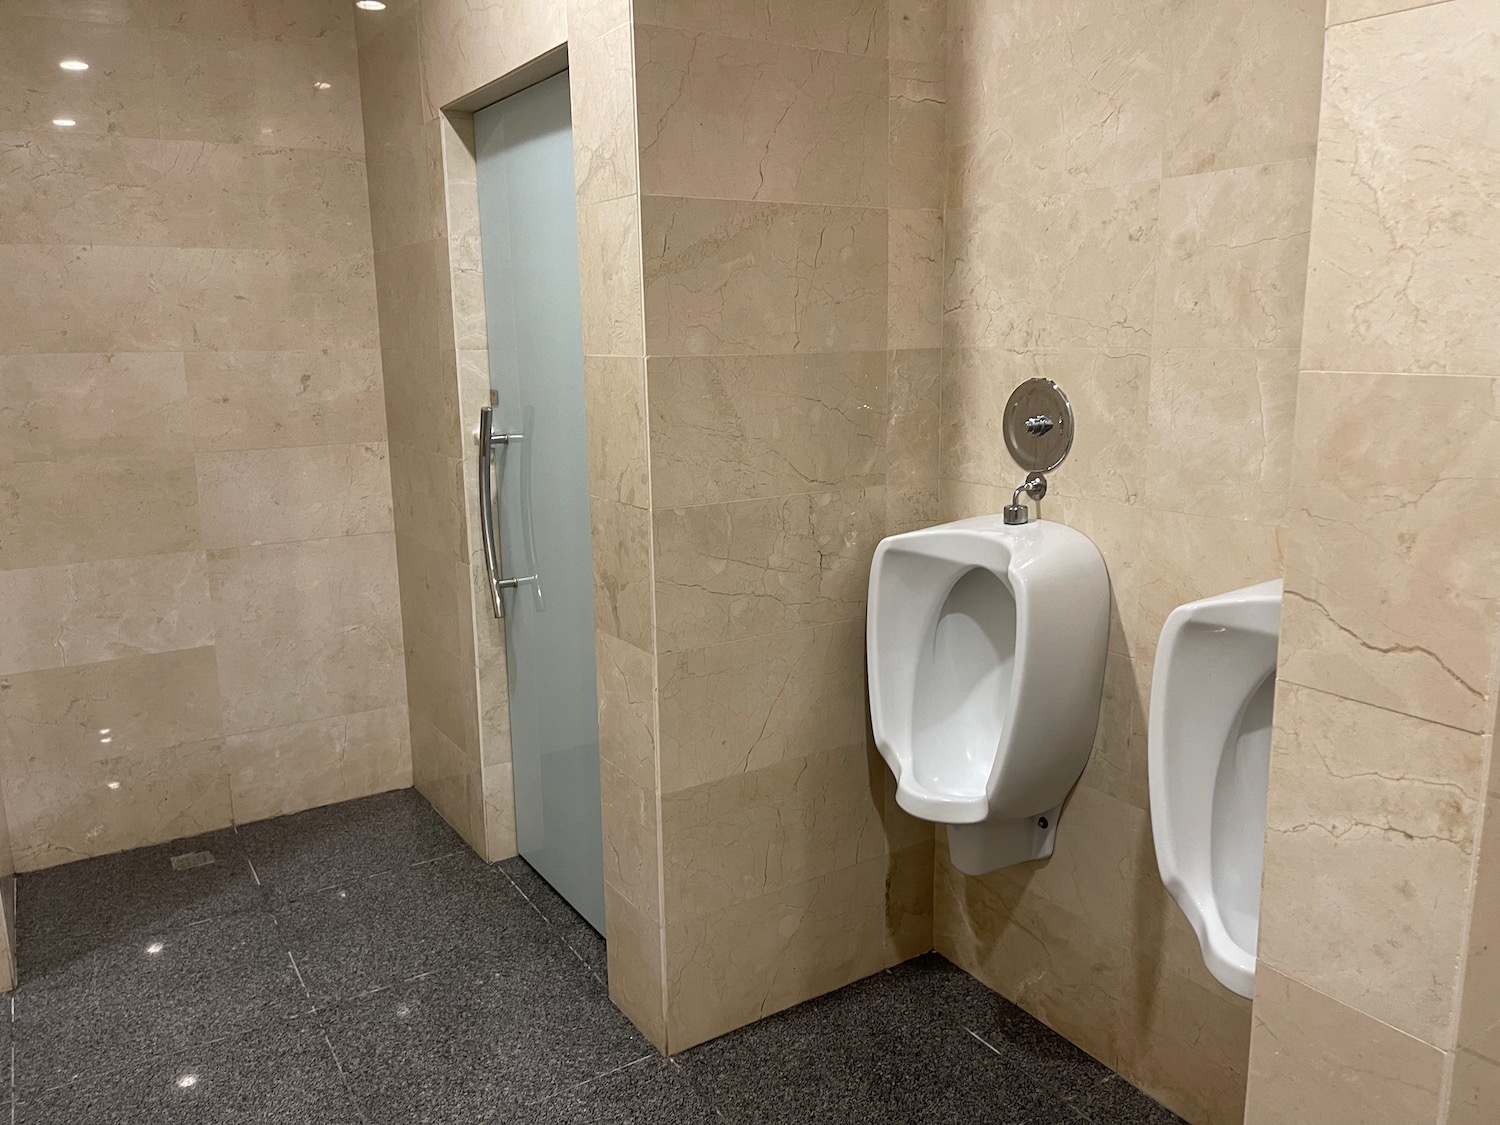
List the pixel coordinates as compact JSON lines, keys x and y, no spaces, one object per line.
{"x":197,"y":568}
{"x":1129,"y":190}
{"x":1379,"y":984}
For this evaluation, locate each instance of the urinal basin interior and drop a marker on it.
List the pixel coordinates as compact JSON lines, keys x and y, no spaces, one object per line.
{"x":1210,"y":761}
{"x":962,"y":688}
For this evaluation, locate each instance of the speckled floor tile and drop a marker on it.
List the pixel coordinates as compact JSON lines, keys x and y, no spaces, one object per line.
{"x":263,"y":1078}
{"x":869,"y":1052}
{"x":340,"y":843}
{"x":530,"y":1030}
{"x":398,"y":925}
{"x":580,"y":937}
{"x":652,"y":1091}
{"x":64,"y":912}
{"x":1113,"y":1101}
{"x":150,"y":994}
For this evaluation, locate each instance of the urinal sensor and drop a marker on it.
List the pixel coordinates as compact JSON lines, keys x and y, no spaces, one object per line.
{"x":1039,"y":434}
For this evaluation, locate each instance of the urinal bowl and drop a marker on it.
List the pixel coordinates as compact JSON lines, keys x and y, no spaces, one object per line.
{"x":986,"y":647}
{"x":1209,"y":755}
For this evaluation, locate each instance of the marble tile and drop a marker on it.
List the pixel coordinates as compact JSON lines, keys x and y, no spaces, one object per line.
{"x":1074,"y":111}
{"x":1479,"y":1005}
{"x":1403,"y":278}
{"x":1071,"y":270}
{"x":609,"y":269}
{"x":1382,"y":606}
{"x":801,"y":940}
{"x":1117,"y":766}
{"x":442,"y":689}
{"x":60,"y":406}
{"x":262,"y":400}
{"x":289,"y":769}
{"x":435,"y":597}
{"x":408,"y":325}
{"x":392,"y":104}
{"x":281,"y":679}
{"x":103,"y":611}
{"x":1223,"y":60}
{"x":627,"y":708}
{"x":467,"y":44}
{"x":753,"y":833}
{"x":1369,"y":845}
{"x":69,"y":717}
{"x":276,"y":495}
{"x":429,"y":498}
{"x":83,"y":508}
{"x":314,"y":586}
{"x":1118,"y":530}
{"x":632,"y":838}
{"x":727,"y":276}
{"x":603,"y":70}
{"x":1220,"y":433}
{"x":614,"y":390}
{"x":635,"y":966}
{"x":737,"y":118}
{"x":913,"y":379}
{"x":728,"y":571}
{"x":1234,"y":257}
{"x":499,"y":813}
{"x":851,"y":26}
{"x":915,"y":311}
{"x":259,"y":92}
{"x":727,"y":428}
{"x":916,"y":29}
{"x":422,"y":396}
{"x":63,"y":812}
{"x":918,"y":132}
{"x":622,"y":572}
{"x":1184,"y":558}
{"x":1314,"y":1059}
{"x":406,"y":183}
{"x":1347,"y":11}
{"x":118,"y":95}
{"x":747,"y":705}
{"x":442,"y":773}
{"x":1475,"y":1091}
{"x":87,"y":189}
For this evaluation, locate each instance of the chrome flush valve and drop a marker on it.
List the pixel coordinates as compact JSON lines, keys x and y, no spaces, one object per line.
{"x":1034,"y":486}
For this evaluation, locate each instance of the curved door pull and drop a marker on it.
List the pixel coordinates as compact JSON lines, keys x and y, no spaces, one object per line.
{"x":489,"y":532}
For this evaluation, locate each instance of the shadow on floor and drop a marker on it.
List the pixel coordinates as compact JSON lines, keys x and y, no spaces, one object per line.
{"x":358,"y":965}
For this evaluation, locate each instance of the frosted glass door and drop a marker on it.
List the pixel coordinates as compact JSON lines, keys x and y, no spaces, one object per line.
{"x":529,"y":237}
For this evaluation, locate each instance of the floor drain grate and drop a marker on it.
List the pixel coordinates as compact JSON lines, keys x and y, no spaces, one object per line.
{"x":189,"y":860}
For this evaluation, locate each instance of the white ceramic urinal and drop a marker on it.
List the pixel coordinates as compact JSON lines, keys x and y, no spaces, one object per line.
{"x":1210,"y":763}
{"x":986,"y":650}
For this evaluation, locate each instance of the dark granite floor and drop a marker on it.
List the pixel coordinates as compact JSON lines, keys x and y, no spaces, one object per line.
{"x":357,"y":965}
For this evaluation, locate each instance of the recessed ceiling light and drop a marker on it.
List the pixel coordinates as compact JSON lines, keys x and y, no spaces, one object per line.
{"x":322,"y":85}
{"x":73,"y":64}
{"x":64,"y":122}
{"x":370,"y":5}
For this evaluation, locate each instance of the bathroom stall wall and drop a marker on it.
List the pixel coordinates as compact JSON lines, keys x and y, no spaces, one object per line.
{"x":197,"y":571}
{"x":791,"y":227}
{"x":1377,"y":986}
{"x":1129,"y":191}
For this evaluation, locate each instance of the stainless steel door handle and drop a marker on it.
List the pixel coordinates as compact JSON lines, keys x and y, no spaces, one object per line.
{"x":489,"y":532}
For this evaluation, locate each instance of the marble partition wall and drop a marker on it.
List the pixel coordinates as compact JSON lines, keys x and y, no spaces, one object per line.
{"x":791,"y":232}
{"x":1129,"y":196}
{"x":1377,"y":987}
{"x":197,"y":566}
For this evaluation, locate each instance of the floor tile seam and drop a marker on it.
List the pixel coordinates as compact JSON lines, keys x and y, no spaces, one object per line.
{"x":704,"y":1090}
{"x":299,"y":895}
{"x":576,"y":1086}
{"x":555,"y":929}
{"x":1033,"y":1080}
{"x":338,"y":1065}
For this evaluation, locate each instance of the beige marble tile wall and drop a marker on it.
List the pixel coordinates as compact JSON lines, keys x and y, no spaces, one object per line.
{"x":1129,"y":190}
{"x":197,"y":567}
{"x":1377,"y":991}
{"x":791,"y":225}
{"x":415,"y":57}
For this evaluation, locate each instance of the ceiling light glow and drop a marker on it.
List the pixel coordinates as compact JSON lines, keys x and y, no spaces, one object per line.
{"x":73,"y":64}
{"x":370,"y":5}
{"x":322,"y":85}
{"x":64,"y":122}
